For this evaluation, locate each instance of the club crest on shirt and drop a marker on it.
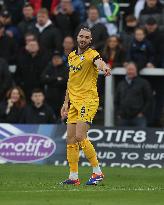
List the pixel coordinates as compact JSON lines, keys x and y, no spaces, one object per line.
{"x":81,"y":58}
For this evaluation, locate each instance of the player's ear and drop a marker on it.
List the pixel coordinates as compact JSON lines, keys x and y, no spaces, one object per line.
{"x":91,"y":41}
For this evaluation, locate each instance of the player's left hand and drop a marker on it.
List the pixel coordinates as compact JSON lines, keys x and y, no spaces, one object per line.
{"x":107,"y":71}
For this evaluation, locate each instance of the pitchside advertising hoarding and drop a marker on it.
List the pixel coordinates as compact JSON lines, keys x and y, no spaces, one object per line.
{"x":116,"y":147}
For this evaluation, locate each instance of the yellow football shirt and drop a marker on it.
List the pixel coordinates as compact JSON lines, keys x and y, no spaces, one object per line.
{"x":83,"y":74}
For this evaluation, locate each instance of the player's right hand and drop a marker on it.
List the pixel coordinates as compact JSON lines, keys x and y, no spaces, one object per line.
{"x":64,"y":111}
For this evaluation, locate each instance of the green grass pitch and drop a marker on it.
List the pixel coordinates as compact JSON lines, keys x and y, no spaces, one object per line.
{"x":40,"y":185}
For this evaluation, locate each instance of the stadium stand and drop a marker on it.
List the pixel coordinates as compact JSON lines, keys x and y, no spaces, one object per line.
{"x":30,"y":32}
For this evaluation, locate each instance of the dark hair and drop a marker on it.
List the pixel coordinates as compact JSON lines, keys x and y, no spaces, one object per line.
{"x":22,"y":101}
{"x":37,"y":90}
{"x":93,"y":7}
{"x":141,"y":29}
{"x":27,"y":4}
{"x":86,"y":29}
{"x":107,"y":51}
{"x":30,"y":34}
{"x":130,"y":18}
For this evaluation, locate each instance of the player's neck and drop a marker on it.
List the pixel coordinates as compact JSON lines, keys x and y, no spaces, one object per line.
{"x":80,"y":51}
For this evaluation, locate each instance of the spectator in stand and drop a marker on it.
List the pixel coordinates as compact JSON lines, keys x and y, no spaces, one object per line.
{"x":141,"y":50}
{"x":156,"y":37}
{"x":31,"y":63}
{"x":8,"y":46}
{"x":138,"y":8}
{"x":11,"y":108}
{"x":152,"y":8}
{"x":54,"y":79}
{"x":79,"y":8}
{"x":38,"y":112}
{"x":49,"y":36}
{"x":66,"y":18}
{"x":132,"y":99}
{"x":15,"y":9}
{"x":5,"y":78}
{"x":2,"y":5}
{"x":11,"y":30}
{"x":68,"y":46}
{"x":113,"y":53}
{"x":109,"y":12}
{"x":50,"y":5}
{"x":28,"y":21}
{"x":99,"y":31}
{"x":127,"y":34}
{"x":29,"y":37}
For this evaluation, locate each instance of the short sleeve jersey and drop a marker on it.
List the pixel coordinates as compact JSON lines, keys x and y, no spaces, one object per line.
{"x":83,"y":74}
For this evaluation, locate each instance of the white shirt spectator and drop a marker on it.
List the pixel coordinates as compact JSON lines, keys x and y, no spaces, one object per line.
{"x":138,"y":7}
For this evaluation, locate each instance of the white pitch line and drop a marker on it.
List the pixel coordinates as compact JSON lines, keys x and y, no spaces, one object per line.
{"x":87,"y":190}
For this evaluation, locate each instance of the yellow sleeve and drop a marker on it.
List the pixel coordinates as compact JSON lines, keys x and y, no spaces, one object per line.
{"x":95,"y":55}
{"x":70,"y":57}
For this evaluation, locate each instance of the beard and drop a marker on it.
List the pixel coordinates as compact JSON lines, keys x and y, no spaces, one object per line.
{"x":83,"y":45}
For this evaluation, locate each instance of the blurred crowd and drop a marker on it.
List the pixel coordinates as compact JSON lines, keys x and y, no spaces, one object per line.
{"x":36,"y":37}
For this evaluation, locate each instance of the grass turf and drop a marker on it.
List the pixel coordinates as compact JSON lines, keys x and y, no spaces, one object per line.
{"x":40,"y":185}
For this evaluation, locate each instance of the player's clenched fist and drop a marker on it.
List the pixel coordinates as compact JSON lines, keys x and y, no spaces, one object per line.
{"x":64,"y":111}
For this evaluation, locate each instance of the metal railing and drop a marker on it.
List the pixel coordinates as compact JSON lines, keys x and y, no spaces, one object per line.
{"x":110,"y":89}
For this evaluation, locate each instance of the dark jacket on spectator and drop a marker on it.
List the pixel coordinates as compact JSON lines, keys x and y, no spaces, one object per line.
{"x":8,"y":49}
{"x":99,"y":35}
{"x":29,"y":70}
{"x":118,"y":59}
{"x":157,"y":13}
{"x":56,"y":80}
{"x":157,"y":40}
{"x":12,"y":117}
{"x":34,"y":115}
{"x":5,"y":78}
{"x":132,"y":99}
{"x":127,"y":36}
{"x":141,"y":53}
{"x":15,"y":8}
{"x":49,"y":38}
{"x":67,"y":23}
{"x":26,"y":26}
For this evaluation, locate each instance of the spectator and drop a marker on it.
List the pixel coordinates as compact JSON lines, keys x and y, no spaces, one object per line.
{"x":109,"y":12}
{"x":99,"y":31}
{"x":79,"y":8}
{"x":138,"y":8}
{"x":68,"y":46}
{"x":155,"y":36}
{"x":127,"y":34}
{"x":38,"y":112}
{"x":113,"y":53}
{"x":141,"y":50}
{"x":31,"y":63}
{"x":54,"y":78}
{"x":2,"y":5}
{"x":11,"y":108}
{"x":5,"y":78}
{"x":8,"y":46}
{"x":132,"y":99}
{"x":49,"y":36}
{"x":10,"y":29}
{"x":50,"y":5}
{"x":66,"y":18}
{"x":152,"y":8}
{"x":15,"y":9}
{"x":29,"y":37}
{"x":28,"y":21}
